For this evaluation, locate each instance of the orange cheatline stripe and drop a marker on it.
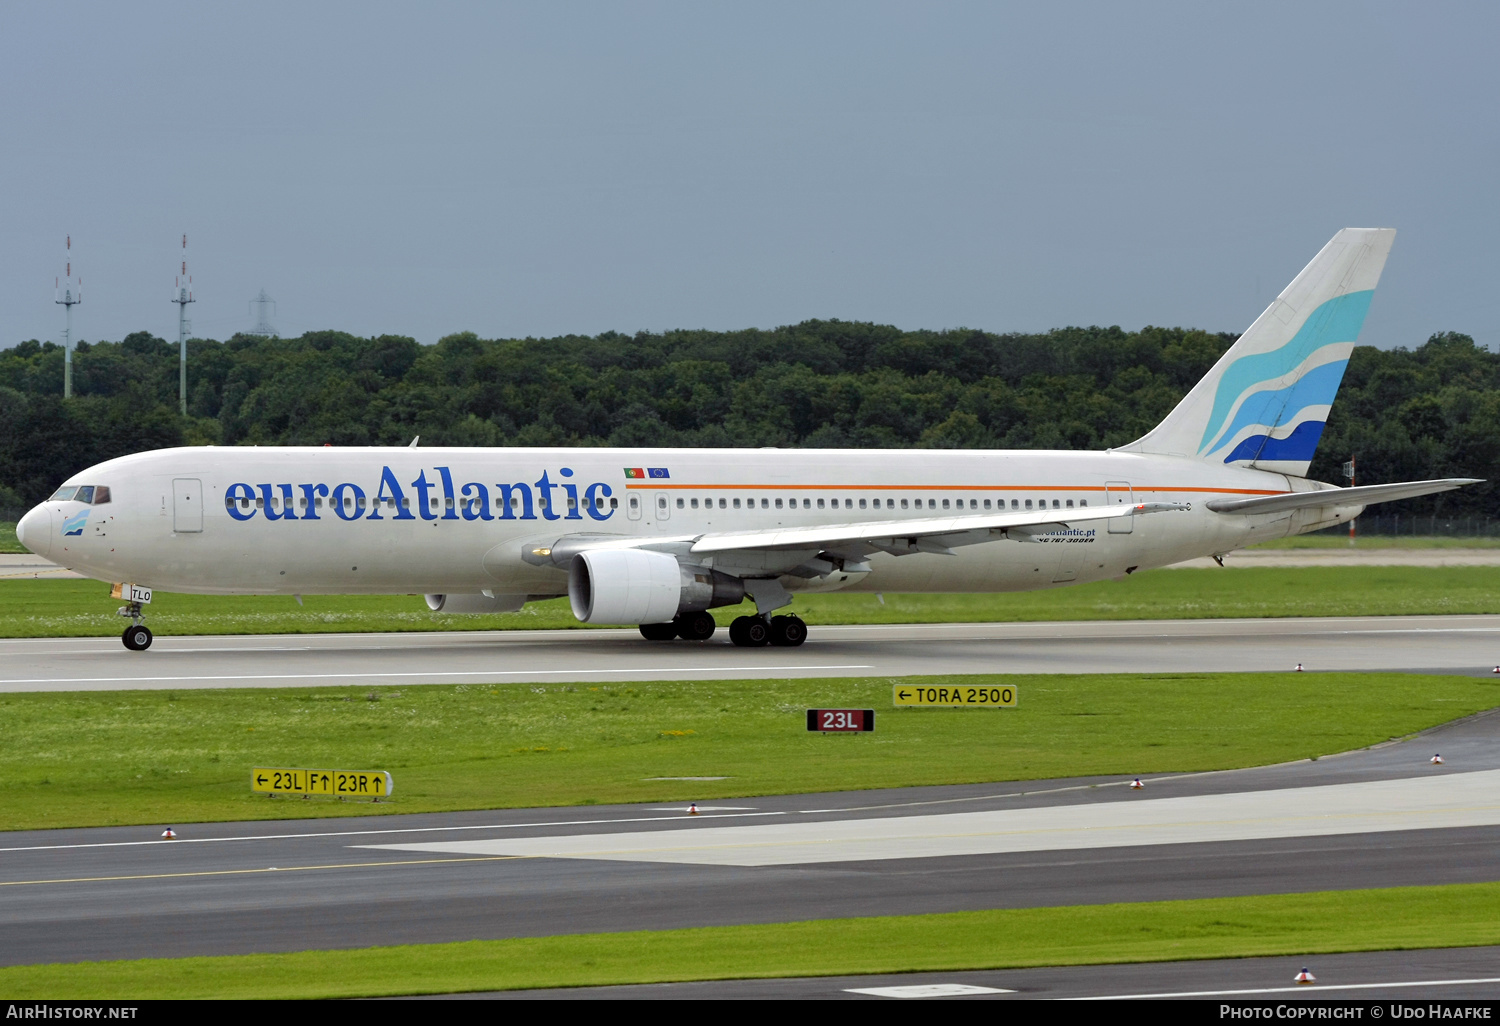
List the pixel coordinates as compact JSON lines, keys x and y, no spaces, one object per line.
{"x":947,"y":488}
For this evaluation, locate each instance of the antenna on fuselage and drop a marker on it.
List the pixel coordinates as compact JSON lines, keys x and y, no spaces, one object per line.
{"x":68,"y":296}
{"x":413,"y":443}
{"x":182,"y":297}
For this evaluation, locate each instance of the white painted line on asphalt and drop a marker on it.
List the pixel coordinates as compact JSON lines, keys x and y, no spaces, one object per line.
{"x":927,"y":990}
{"x":1414,"y":803}
{"x":1311,"y":990}
{"x":431,"y":673}
{"x":180,"y":840}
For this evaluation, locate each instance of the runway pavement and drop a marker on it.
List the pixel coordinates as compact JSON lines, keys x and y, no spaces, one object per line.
{"x":70,"y":895}
{"x":1432,"y":644}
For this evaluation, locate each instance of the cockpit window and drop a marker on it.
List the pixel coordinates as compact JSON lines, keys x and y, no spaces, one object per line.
{"x":85,"y":494}
{"x":64,"y":493}
{"x":101,"y":494}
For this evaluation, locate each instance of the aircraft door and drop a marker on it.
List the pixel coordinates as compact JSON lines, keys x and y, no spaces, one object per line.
{"x":1119,"y":493}
{"x":633,"y":506}
{"x":663,"y":506}
{"x":187,"y":505}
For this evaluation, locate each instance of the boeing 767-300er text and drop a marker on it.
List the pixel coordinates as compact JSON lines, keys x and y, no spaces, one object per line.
{"x":657,"y":537}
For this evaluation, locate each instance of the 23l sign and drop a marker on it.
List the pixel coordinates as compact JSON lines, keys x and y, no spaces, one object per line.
{"x":845,"y":720}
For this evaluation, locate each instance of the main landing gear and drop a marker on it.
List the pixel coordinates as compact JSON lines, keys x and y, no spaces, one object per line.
{"x":137,"y":636}
{"x":745,"y":631}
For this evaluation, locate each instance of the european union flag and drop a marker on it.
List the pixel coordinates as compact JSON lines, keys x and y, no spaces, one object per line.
{"x":657,"y":472}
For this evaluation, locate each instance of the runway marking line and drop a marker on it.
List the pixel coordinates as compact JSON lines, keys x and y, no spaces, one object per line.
{"x":242,"y":872}
{"x":1309,"y":990}
{"x":435,"y":673}
{"x":178,"y":842}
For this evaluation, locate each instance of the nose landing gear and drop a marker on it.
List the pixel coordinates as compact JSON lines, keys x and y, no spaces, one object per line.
{"x":137,"y":636}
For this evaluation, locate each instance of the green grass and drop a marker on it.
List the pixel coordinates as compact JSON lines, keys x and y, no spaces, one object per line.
{"x":74,"y":608}
{"x":8,"y":541}
{"x":1285,"y":924}
{"x":116,"y":757}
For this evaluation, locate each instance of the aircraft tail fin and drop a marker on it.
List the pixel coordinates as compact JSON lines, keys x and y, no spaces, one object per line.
{"x":1266,"y":401}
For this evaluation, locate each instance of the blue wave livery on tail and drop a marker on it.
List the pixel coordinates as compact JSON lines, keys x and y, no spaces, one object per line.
{"x":1266,"y":402}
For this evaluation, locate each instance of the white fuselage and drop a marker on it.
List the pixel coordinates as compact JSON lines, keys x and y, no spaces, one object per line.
{"x":400,"y":520}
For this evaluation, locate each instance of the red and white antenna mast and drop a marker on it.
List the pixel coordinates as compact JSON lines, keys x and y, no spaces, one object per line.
{"x":182,"y":297}
{"x":68,"y":296}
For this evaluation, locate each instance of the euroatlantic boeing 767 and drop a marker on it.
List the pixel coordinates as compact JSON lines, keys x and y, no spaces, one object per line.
{"x":657,"y":537}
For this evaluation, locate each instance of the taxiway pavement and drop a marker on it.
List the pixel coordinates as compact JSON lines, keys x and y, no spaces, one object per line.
{"x":71,"y":895}
{"x":1440,"y":974}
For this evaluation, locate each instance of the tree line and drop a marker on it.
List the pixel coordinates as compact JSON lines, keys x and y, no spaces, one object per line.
{"x":1429,"y":411}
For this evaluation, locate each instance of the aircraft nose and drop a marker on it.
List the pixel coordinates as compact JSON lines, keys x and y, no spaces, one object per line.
{"x":35,"y":531}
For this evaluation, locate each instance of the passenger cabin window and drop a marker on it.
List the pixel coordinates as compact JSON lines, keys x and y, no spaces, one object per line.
{"x":945,"y":503}
{"x":1083,"y":502}
{"x":986,"y":503}
{"x":1070,"y":503}
{"x":820,"y":504}
{"x":1056,"y":504}
{"x":765,"y":503}
{"x":679,"y":503}
{"x":848,"y":503}
{"x":778,"y":503}
{"x":861,"y":503}
{"x":1028,"y":503}
{"x":903,"y":504}
{"x":721,"y":503}
{"x":614,"y":503}
{"x":1015,"y":503}
{"x":736,"y":503}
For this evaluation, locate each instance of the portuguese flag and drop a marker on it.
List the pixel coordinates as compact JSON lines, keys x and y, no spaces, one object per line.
{"x":632,"y":472}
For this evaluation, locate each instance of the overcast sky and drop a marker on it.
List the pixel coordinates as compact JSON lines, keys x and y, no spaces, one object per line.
{"x":546,"y":168}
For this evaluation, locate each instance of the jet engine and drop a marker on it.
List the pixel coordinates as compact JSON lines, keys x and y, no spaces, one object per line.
{"x":638,"y":586}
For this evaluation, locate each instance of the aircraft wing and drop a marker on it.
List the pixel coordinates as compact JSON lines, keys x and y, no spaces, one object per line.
{"x":778,"y":548}
{"x":1363,"y":495}
{"x":933,"y":534}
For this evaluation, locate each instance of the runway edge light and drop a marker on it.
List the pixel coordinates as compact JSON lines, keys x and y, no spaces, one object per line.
{"x":1305,"y":977}
{"x":1437,"y":760}
{"x":1136,"y":785}
{"x":169,"y":834}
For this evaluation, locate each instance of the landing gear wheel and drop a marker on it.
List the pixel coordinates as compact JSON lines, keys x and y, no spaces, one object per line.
{"x":137,"y":637}
{"x":749,"y":632}
{"x":696,"y":626}
{"x":659,"y":631}
{"x":788,"y":631}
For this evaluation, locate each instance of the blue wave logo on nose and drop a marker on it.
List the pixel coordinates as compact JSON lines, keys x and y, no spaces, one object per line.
{"x":73,"y":526}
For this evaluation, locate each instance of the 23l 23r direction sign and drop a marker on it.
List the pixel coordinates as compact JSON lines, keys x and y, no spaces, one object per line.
{"x":334,"y":783}
{"x":998,"y":696}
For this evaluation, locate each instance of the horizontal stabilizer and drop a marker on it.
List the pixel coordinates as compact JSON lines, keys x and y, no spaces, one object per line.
{"x":1364,"y":495}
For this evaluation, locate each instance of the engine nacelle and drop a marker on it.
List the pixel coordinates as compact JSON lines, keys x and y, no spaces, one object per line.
{"x":624,"y":586}
{"x":475,"y":603}
{"x":638,"y":586}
